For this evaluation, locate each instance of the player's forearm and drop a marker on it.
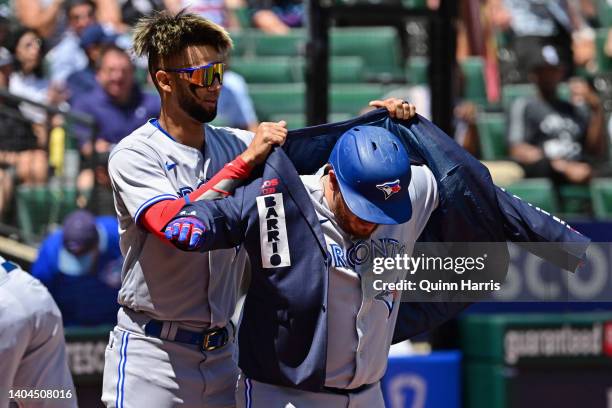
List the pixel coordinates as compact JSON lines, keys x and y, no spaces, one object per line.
{"x":157,"y":217}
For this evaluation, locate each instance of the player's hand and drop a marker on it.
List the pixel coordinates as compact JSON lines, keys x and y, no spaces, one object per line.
{"x":398,"y":109}
{"x":186,"y":233}
{"x":267,"y":135}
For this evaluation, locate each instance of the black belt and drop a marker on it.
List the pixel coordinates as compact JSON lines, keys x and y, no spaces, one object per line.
{"x":207,"y":340}
{"x":346,"y":391}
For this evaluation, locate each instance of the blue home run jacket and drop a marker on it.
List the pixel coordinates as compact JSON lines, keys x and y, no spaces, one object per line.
{"x":472,"y":208}
{"x":283,"y":332}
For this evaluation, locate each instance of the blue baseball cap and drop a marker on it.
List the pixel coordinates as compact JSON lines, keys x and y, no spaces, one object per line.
{"x":80,"y":238}
{"x":372,"y":167}
{"x":95,"y":34}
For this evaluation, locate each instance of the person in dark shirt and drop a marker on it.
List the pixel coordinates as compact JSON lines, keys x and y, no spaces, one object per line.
{"x":551,"y":137}
{"x":21,"y":159}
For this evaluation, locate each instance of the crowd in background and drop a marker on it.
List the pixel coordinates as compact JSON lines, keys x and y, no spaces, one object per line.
{"x":74,"y":56}
{"x":553,"y":41}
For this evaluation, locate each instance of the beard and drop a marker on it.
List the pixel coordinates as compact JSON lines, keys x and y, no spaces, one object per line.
{"x":187,"y":101}
{"x":342,"y":216}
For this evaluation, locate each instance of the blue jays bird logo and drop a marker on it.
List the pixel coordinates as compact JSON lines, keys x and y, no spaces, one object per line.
{"x":389,"y":188}
{"x":388,"y":298}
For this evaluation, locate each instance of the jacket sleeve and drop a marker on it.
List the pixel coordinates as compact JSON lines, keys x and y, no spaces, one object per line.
{"x":223,"y":219}
{"x":525,"y":224}
{"x":419,"y":317}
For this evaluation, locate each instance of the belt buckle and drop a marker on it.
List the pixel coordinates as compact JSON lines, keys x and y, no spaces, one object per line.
{"x":206,"y":346}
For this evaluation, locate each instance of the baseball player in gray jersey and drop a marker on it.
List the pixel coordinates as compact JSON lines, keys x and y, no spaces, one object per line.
{"x":173,"y":343}
{"x":33,"y":367}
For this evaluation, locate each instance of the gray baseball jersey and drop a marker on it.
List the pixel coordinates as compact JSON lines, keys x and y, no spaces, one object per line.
{"x":148,"y":166}
{"x":186,"y":290}
{"x":32,"y":345}
{"x":361,"y":320}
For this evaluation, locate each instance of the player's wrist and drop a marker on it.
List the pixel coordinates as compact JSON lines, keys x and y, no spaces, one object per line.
{"x":247,"y":160}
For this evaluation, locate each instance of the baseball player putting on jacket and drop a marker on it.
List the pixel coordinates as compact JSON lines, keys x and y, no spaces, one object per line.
{"x":368,"y":201}
{"x":173,"y":342}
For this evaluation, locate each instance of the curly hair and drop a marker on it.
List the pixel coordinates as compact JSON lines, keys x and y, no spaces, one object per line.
{"x":163,"y":35}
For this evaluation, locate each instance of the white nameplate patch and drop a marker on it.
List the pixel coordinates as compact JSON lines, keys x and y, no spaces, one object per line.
{"x":273,"y":231}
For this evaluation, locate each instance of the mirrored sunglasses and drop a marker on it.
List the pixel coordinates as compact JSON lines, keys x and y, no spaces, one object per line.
{"x":201,"y":76}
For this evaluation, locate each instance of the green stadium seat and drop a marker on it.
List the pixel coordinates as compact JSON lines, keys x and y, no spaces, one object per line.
{"x":292,"y":69}
{"x":514,"y":91}
{"x":601,"y":195}
{"x":474,"y":88}
{"x":294,"y":120}
{"x":416,"y":71}
{"x":575,"y":199}
{"x":414,"y":4}
{"x":341,"y":69}
{"x":278,"y":98}
{"x":379,"y":48}
{"x":354,"y":97}
{"x":537,"y":191}
{"x":604,"y":13}
{"x":243,"y":15}
{"x":40,"y":207}
{"x":346,"y":69}
{"x":288,"y":45}
{"x":492,"y":136}
{"x":288,"y":69}
{"x":290,"y":98}
{"x":264,"y":70}
{"x":242,"y":43}
{"x":604,"y":62}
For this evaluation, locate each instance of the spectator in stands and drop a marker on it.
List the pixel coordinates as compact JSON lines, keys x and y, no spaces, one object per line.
{"x":67,"y":56}
{"x":48,"y":17}
{"x":118,"y":106}
{"x":93,"y":39}
{"x":216,"y":11}
{"x":276,"y":16}
{"x":550,"y":137}
{"x":21,"y":156}
{"x":133,"y":10}
{"x":80,"y":264}
{"x":117,"y":103}
{"x":537,"y":23}
{"x":28,"y":80}
{"x":45,"y":17}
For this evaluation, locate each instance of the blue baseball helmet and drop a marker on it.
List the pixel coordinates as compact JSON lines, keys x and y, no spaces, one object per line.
{"x":373,"y":170}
